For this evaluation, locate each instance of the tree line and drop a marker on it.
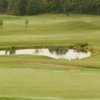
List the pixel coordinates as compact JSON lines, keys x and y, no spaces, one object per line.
{"x":33,"y":7}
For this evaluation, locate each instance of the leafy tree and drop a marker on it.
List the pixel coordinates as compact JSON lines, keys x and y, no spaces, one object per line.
{"x":96,"y":6}
{"x":67,"y":6}
{"x":33,"y":7}
{"x":3,"y":6}
{"x":17,"y":7}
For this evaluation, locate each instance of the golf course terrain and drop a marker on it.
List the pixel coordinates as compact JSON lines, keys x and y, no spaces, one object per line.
{"x":28,"y":77}
{"x":50,"y":29}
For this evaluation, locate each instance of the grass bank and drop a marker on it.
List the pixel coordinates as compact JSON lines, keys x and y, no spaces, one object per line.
{"x":50,"y":30}
{"x":27,"y":77}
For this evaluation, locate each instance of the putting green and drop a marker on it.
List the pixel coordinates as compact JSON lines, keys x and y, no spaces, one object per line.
{"x":49,"y":84}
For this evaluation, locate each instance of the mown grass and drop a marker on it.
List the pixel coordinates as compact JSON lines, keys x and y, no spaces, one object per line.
{"x":27,"y":77}
{"x":50,"y":29}
{"x":26,"y":61}
{"x":45,"y":84}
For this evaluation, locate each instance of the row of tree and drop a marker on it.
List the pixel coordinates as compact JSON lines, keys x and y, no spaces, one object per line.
{"x":32,"y":7}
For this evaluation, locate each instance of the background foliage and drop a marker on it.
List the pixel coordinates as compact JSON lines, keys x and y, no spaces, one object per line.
{"x":33,"y":7}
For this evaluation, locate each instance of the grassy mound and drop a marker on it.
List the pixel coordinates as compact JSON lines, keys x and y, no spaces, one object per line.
{"x":49,"y":30}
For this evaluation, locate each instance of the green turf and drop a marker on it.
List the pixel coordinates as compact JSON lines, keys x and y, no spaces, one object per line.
{"x":50,"y":29}
{"x":46,"y":84}
{"x":41,"y":78}
{"x":24,"y":61}
{"x":27,"y":77}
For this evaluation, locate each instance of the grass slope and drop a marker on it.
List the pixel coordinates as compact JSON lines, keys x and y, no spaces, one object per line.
{"x":53,"y":29}
{"x":26,"y":77}
{"x":27,"y":61}
{"x":40,"y":78}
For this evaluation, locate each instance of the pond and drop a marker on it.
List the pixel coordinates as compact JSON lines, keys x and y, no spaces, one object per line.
{"x":70,"y":54}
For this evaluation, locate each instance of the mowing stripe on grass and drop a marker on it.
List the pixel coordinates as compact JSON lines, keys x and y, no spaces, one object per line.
{"x":40,"y":98}
{"x":29,"y":98}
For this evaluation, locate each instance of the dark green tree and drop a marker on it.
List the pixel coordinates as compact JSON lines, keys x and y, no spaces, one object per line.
{"x":33,"y":7}
{"x":67,"y":6}
{"x":96,"y":6}
{"x":3,"y":6}
{"x":17,"y":7}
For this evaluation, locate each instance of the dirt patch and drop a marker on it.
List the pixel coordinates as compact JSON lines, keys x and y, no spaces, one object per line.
{"x":51,"y":65}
